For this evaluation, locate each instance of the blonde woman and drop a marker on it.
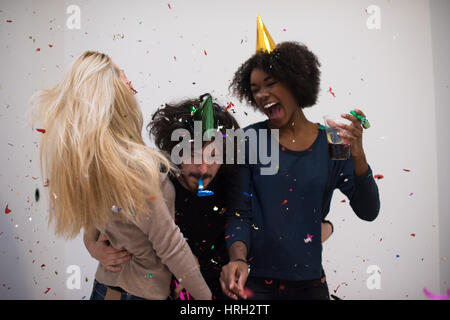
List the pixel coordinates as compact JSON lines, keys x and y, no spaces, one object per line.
{"x":102,"y":177}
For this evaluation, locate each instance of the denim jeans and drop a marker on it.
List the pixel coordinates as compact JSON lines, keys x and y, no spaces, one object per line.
{"x":276,"y":289}
{"x":99,"y":292}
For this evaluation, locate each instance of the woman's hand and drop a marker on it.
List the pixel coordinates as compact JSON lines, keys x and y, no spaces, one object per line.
{"x":353,"y":134}
{"x":233,"y":278}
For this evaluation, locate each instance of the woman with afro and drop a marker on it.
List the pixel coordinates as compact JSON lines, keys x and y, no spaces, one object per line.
{"x":274,"y":227}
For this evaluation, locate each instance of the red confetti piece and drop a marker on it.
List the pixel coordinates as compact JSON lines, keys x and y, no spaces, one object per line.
{"x":411,"y":194}
{"x":378,"y":176}
{"x":330,"y":91}
{"x":46,"y":291}
{"x":283,"y":148}
{"x":46,"y":183}
{"x":249,"y":293}
{"x":406,"y":170}
{"x":170,"y":7}
{"x":9,"y":21}
{"x":50,"y":45}
{"x":282,"y":287}
{"x":309,"y":149}
{"x":268,"y":282}
{"x":227,"y":237}
{"x":42,"y":265}
{"x":41,"y":130}
{"x":7,"y":211}
{"x":229,"y":105}
{"x":174,"y":58}
{"x":343,"y":201}
{"x":38,"y":49}
{"x":284,"y":29}
{"x":413,"y":234}
{"x":284,"y":202}
{"x":204,"y":51}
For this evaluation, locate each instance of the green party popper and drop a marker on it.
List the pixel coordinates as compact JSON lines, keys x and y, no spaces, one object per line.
{"x":364,"y":122}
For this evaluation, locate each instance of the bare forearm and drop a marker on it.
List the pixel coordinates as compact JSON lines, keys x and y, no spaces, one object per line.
{"x":238,"y":250}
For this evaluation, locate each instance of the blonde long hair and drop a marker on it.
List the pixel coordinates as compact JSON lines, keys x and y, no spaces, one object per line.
{"x":92,"y":151}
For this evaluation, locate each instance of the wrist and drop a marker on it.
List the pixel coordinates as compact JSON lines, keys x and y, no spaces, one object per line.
{"x":241,"y":260}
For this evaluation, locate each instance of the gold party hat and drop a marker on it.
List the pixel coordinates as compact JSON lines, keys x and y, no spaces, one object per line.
{"x":263,"y":39}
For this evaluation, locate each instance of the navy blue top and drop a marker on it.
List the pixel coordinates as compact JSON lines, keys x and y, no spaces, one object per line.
{"x":279,"y":216}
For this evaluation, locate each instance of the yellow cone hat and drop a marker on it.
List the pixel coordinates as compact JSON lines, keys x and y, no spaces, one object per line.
{"x":263,"y":39}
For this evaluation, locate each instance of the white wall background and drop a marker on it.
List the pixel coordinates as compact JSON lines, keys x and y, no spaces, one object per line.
{"x":398,"y":75}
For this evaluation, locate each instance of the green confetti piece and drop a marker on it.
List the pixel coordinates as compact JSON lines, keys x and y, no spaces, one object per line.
{"x":150,"y":275}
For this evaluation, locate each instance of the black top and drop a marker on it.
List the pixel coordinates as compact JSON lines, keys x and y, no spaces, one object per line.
{"x":202,"y":222}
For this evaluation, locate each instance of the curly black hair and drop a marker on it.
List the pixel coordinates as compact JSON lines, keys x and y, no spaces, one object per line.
{"x":178,"y":116}
{"x":291,"y":63}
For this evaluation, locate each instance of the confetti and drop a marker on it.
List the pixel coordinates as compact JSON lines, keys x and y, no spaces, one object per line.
{"x":406,"y":170}
{"x":229,"y":105}
{"x":255,"y":227}
{"x":41,"y":130}
{"x":7,"y":211}
{"x":170,"y":7}
{"x":284,"y":202}
{"x":36,"y":195}
{"x":249,"y":293}
{"x":411,"y":194}
{"x":343,"y":201}
{"x":204,"y":51}
{"x":412,"y":234}
{"x":215,"y":208}
{"x":38,"y":49}
{"x":378,"y":176}
{"x":434,"y":296}
{"x":237,"y":214}
{"x":46,"y":291}
{"x":248,"y":194}
{"x":268,"y":282}
{"x":116,"y":209}
{"x":308,"y":238}
{"x":331,"y":91}
{"x":150,"y":275}
{"x":335,"y":291}
{"x":50,"y":45}
{"x":9,"y":21}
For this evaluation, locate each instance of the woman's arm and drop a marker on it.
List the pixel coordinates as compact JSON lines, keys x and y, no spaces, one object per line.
{"x":171,"y":247}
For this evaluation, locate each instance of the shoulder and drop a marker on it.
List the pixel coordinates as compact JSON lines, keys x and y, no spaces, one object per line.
{"x":167,"y":187}
{"x":257,"y":126}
